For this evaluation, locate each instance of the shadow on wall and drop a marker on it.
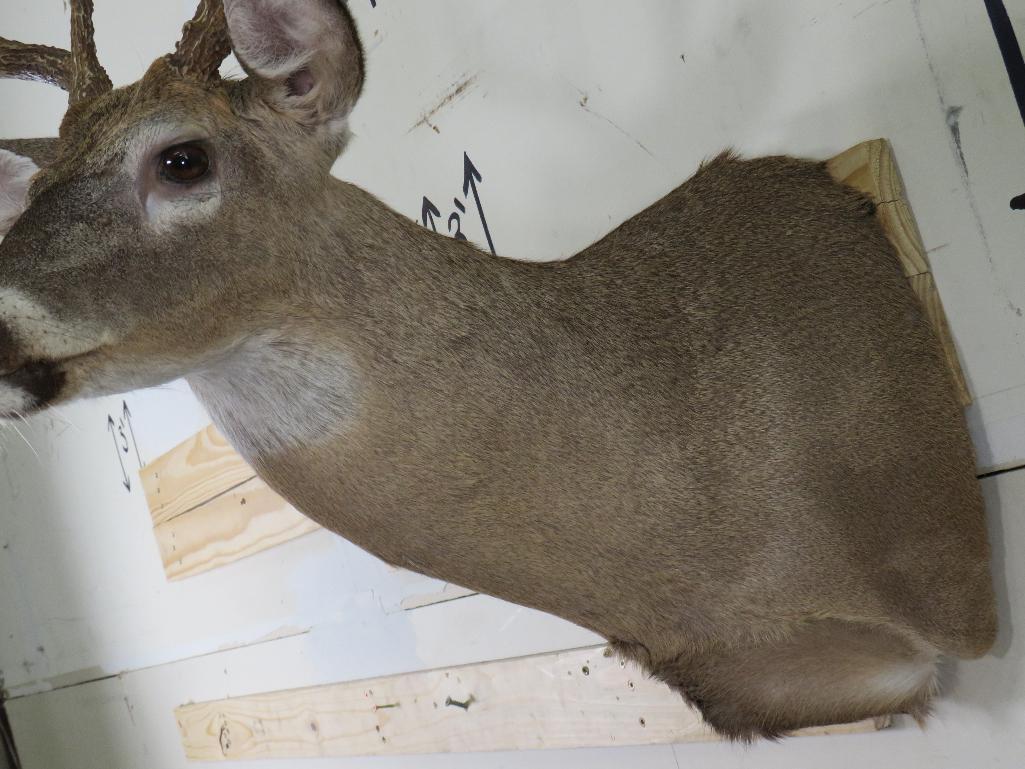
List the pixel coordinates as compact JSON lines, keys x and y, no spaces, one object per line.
{"x":41,"y":568}
{"x":8,"y":755}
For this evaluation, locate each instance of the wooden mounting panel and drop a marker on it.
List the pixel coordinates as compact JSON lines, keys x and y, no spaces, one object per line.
{"x":209,"y":509}
{"x":570,"y":699}
{"x":191,"y":474}
{"x":871,"y":168}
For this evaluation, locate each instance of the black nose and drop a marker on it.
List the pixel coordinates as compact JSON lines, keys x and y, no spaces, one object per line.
{"x":41,"y":379}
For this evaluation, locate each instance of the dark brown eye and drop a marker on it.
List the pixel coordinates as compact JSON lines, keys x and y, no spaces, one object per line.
{"x":184,"y":163}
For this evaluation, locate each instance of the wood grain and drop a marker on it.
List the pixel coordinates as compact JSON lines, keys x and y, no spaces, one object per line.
{"x":240,"y":522}
{"x":194,"y":472}
{"x":900,"y":228}
{"x":871,"y":168}
{"x":579,"y":698}
{"x":925,"y":288}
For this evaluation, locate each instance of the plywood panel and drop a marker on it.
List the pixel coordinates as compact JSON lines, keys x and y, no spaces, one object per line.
{"x":869,"y":167}
{"x":581,"y":698}
{"x":240,"y":522}
{"x":209,"y":509}
{"x":193,"y":472}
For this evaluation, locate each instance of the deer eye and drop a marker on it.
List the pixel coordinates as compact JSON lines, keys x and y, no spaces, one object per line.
{"x":184,"y":163}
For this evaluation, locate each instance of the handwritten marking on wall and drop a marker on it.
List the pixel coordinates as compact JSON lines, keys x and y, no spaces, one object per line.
{"x":430,"y":214}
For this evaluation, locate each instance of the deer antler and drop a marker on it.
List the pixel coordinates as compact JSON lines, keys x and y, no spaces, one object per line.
{"x":77,"y":71}
{"x":35,"y":62}
{"x":88,"y":78}
{"x":204,"y":42}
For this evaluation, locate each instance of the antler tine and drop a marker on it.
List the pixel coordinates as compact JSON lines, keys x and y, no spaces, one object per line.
{"x":88,"y":78}
{"x":204,"y":42}
{"x":35,"y":62}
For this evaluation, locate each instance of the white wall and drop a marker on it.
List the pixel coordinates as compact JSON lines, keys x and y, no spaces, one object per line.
{"x":577,"y":115}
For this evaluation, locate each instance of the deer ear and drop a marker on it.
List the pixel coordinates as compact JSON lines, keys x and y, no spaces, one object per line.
{"x":16,"y":172}
{"x":304,"y":55}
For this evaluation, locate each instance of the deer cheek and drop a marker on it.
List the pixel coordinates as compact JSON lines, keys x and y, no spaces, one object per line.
{"x":167,"y":208}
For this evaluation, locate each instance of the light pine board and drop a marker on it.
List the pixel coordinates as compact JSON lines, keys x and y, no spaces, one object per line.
{"x":239,"y":522}
{"x":570,"y":699}
{"x":192,"y":473}
{"x":871,"y":168}
{"x":209,"y":509}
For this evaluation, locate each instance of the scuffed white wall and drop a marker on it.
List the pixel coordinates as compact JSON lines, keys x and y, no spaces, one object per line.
{"x":576,"y":116}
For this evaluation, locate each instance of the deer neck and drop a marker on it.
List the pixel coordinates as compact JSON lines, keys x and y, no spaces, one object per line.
{"x":371,"y":293}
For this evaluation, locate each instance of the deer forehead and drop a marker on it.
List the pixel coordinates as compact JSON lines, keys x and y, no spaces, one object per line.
{"x":108,"y":128}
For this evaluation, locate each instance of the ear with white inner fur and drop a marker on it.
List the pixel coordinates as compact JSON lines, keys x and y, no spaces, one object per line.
{"x":305,"y":56}
{"x":16,"y":173}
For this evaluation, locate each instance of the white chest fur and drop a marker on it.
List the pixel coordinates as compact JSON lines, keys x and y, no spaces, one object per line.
{"x":281,"y":391}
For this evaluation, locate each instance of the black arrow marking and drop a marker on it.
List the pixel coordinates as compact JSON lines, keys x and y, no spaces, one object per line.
{"x":470,"y":178}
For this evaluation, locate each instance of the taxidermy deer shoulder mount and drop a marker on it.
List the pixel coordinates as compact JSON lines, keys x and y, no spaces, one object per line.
{"x":723,"y":436}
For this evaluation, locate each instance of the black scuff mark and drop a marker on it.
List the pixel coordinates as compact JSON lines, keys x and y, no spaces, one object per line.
{"x":956,"y":145}
{"x":952,"y":116}
{"x":131,"y":710}
{"x":584,"y":97}
{"x":457,"y":90}
{"x":868,"y":8}
{"x":954,"y":125}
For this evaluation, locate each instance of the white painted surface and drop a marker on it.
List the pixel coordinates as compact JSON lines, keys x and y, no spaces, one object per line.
{"x":577,"y":115}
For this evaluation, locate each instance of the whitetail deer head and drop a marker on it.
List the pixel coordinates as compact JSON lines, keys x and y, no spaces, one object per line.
{"x":129,"y":235}
{"x":747,"y":470}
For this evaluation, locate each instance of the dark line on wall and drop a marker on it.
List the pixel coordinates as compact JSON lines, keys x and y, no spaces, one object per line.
{"x":1014,"y":63}
{"x":1001,"y":471}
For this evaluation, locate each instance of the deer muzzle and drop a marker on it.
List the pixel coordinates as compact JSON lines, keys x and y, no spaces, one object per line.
{"x":25,"y":385}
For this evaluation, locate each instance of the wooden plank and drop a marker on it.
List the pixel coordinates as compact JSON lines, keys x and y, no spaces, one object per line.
{"x":240,"y":522}
{"x":209,"y":509}
{"x":571,"y":699}
{"x":192,"y":473}
{"x":899,"y":225}
{"x":925,"y":288}
{"x":871,"y":168}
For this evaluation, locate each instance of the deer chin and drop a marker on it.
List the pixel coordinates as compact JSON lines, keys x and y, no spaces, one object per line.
{"x":30,"y":388}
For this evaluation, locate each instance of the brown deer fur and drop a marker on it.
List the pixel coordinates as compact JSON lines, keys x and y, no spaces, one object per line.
{"x":723,"y":436}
